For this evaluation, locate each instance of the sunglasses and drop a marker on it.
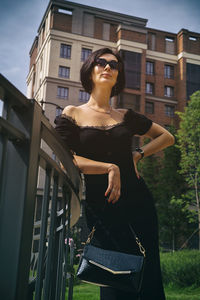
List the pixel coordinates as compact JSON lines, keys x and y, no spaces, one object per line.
{"x":114,"y":65}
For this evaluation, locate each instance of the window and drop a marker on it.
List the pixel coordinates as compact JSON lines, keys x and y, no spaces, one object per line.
{"x":169,"y":45}
{"x":58,"y":111}
{"x":149,"y":68}
{"x":193,"y":79}
{"x":169,"y":91}
{"x":149,"y":88}
{"x":83,"y":96}
{"x":169,"y":39}
{"x":1,"y":108}
{"x":129,"y":100}
{"x":169,"y":71}
{"x":169,"y":110}
{"x":64,"y":72}
{"x":65,"y":51}
{"x":53,"y":156}
{"x":106,"y":31}
{"x":149,"y":107}
{"x":85,"y":53}
{"x":151,"y":41}
{"x":62,"y":92}
{"x":65,"y":11}
{"x":132,"y":64}
{"x":192,"y":38}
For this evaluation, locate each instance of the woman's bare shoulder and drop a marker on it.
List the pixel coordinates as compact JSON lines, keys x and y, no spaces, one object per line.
{"x":69,"y":110}
{"x":122,"y":110}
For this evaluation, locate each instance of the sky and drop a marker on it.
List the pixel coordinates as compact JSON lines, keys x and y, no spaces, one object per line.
{"x":20,"y":19}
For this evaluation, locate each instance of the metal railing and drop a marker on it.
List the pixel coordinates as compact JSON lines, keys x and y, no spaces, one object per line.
{"x":39,"y":201}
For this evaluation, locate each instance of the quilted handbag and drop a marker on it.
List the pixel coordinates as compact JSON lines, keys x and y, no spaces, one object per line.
{"x":112,"y":268}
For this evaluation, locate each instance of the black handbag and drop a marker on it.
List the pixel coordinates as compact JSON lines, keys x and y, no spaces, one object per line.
{"x":112,"y":268}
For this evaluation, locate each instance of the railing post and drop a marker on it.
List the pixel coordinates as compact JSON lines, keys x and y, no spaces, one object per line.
{"x":17,"y":204}
{"x":43,"y":232}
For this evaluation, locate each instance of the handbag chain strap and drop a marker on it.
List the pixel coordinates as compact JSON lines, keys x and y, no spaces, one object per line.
{"x":141,"y":248}
{"x":90,"y":236}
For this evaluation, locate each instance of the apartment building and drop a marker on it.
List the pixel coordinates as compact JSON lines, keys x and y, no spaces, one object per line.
{"x":162,"y":68}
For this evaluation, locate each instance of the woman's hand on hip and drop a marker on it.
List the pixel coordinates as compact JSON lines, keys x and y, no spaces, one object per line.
{"x":114,"y":184}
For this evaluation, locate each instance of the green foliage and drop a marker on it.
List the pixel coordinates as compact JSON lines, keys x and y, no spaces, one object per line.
{"x":149,"y":169}
{"x":86,"y":292}
{"x":91,"y":292}
{"x":189,"y":144}
{"x":189,"y":140}
{"x":168,"y":187}
{"x":176,"y":223}
{"x":176,"y":293}
{"x":75,"y":233}
{"x":181,"y":268}
{"x":172,"y":217}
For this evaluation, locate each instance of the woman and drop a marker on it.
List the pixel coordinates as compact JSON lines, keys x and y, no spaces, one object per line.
{"x":100,"y":138}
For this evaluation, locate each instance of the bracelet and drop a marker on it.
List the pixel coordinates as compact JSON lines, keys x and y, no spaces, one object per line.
{"x":141,"y":151}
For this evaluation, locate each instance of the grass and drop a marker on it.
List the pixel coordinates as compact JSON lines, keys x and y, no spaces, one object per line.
{"x":177,"y":293}
{"x":85,"y":291}
{"x":181,"y":268}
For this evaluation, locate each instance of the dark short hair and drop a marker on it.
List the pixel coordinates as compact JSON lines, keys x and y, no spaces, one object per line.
{"x":86,"y":71}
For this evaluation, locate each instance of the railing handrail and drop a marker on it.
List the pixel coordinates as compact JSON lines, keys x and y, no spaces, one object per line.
{"x":22,"y":127}
{"x":18,"y":99}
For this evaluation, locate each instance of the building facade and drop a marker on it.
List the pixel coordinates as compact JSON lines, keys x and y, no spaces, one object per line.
{"x":162,"y":68}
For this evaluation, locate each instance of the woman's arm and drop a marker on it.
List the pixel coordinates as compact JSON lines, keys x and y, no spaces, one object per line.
{"x":88,"y":166}
{"x":161,"y":139}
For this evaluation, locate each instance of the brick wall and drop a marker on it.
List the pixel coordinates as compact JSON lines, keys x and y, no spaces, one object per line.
{"x":159,"y":113}
{"x":143,"y":82}
{"x":186,"y":44}
{"x":113,"y":32}
{"x":181,"y":84}
{"x":160,"y":40}
{"x":62,"y":22}
{"x":181,"y":42}
{"x":98,"y":28}
{"x":130,"y":35}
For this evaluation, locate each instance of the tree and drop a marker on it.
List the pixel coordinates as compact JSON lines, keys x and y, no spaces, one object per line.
{"x":189,"y":144}
{"x":149,"y":168}
{"x":180,"y":218}
{"x":171,"y":186}
{"x":168,"y":187}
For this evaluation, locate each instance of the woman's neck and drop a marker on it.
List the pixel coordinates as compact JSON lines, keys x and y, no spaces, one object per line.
{"x":100,"y":98}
